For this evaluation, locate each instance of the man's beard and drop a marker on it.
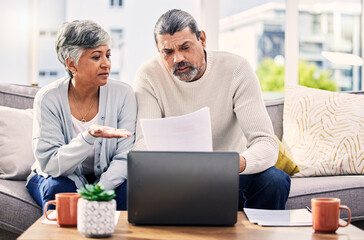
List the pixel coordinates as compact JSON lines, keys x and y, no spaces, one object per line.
{"x":187,"y":76}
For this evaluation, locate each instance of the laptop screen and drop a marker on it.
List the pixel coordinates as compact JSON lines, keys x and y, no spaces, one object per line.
{"x":183,"y":188}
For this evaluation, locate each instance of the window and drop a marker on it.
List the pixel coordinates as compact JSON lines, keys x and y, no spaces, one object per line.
{"x":270,"y":44}
{"x":116,"y":3}
{"x":114,"y":74}
{"x":331,"y":27}
{"x":256,"y":31}
{"x":48,"y":76}
{"x":116,"y":38}
{"x":117,"y":52}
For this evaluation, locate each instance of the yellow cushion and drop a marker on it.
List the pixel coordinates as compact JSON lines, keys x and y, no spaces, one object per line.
{"x":284,"y":161}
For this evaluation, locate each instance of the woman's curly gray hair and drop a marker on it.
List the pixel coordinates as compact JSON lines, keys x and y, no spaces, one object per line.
{"x":73,"y":37}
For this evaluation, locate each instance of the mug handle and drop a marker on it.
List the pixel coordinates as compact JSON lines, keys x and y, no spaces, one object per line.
{"x":46,"y":207}
{"x":349,"y":212}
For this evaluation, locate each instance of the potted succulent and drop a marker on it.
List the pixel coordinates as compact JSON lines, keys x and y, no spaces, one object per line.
{"x":96,"y":211}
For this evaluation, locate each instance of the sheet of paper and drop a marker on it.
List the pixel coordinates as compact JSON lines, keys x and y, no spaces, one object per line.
{"x":53,"y":214}
{"x":190,"y":132}
{"x":295,"y":217}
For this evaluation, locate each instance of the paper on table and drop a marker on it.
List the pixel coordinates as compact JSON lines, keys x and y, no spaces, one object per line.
{"x":190,"y":132}
{"x":296,"y":217}
{"x":53,"y":214}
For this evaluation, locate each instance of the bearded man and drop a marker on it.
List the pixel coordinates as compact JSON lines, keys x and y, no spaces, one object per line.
{"x":185,"y":77}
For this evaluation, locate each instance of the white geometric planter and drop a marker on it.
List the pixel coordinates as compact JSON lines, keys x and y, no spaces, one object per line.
{"x":95,"y":219}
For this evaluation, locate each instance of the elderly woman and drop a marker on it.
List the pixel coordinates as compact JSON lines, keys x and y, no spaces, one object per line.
{"x":84,"y":124}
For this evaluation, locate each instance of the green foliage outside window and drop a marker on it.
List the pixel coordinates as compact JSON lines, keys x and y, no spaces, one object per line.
{"x":271,"y":76}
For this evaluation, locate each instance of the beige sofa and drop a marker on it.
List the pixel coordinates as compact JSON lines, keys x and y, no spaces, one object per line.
{"x":18,"y":210}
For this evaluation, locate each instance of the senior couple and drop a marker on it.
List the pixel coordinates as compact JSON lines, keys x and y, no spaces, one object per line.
{"x":85,"y":123}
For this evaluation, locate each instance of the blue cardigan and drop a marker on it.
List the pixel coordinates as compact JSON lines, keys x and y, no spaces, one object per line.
{"x":59,"y":153}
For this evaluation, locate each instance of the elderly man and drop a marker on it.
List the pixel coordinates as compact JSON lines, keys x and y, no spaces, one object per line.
{"x":186,"y":77}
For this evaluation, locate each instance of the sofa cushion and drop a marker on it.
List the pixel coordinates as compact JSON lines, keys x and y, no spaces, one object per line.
{"x":323,"y":131}
{"x":16,"y":155}
{"x":350,"y":189}
{"x":18,"y":209}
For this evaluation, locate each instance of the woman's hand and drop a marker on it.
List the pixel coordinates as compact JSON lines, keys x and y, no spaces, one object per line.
{"x":107,"y":132}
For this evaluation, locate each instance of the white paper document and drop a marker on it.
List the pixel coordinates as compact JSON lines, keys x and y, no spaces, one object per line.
{"x":295,"y":217}
{"x":190,"y":132}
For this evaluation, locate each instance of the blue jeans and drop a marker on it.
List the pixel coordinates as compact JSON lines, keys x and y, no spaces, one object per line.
{"x":265,"y":190}
{"x":44,"y":189}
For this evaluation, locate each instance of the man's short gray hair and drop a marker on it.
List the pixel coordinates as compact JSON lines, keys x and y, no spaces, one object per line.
{"x":73,"y":37}
{"x":174,"y":21}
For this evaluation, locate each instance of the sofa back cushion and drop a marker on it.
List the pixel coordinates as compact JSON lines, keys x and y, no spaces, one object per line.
{"x":17,"y":96}
{"x":275,"y":111}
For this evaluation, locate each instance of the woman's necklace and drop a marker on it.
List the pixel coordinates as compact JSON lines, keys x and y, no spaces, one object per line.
{"x":83,"y":117}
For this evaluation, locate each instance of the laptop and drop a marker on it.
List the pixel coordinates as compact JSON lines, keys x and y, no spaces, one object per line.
{"x":182,"y":188}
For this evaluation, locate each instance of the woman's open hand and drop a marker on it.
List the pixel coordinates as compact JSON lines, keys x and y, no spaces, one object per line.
{"x":108,"y":132}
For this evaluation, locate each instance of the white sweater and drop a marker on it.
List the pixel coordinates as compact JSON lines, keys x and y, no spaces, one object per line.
{"x":231,"y":90}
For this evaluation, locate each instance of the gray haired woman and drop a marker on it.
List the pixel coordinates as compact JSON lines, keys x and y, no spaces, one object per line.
{"x":84,"y":123}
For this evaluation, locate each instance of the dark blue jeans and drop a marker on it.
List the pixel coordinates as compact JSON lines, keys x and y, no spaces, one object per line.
{"x":44,"y":189}
{"x":265,"y":190}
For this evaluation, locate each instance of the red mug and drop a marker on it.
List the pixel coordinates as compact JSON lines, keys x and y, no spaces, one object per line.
{"x":66,"y":207}
{"x":326,"y":214}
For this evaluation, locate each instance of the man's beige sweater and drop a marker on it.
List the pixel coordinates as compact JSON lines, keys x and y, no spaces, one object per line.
{"x":231,"y":90}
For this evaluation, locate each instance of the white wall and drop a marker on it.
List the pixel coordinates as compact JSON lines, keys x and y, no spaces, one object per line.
{"x":14,"y":20}
{"x":137,"y":19}
{"x":106,"y":16}
{"x":51,"y":15}
{"x":242,"y":41}
{"x":99,"y":11}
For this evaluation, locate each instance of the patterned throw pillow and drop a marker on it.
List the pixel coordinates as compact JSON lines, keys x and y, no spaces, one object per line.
{"x":324,"y":131}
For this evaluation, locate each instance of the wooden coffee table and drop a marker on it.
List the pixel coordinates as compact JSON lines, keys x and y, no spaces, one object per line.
{"x":242,"y":230}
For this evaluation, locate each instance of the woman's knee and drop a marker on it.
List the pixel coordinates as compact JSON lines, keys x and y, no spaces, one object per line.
{"x":52,"y":186}
{"x":34,"y":187}
{"x":121,"y":196}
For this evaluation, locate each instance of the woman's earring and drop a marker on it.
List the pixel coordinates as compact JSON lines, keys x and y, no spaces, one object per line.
{"x":74,"y":73}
